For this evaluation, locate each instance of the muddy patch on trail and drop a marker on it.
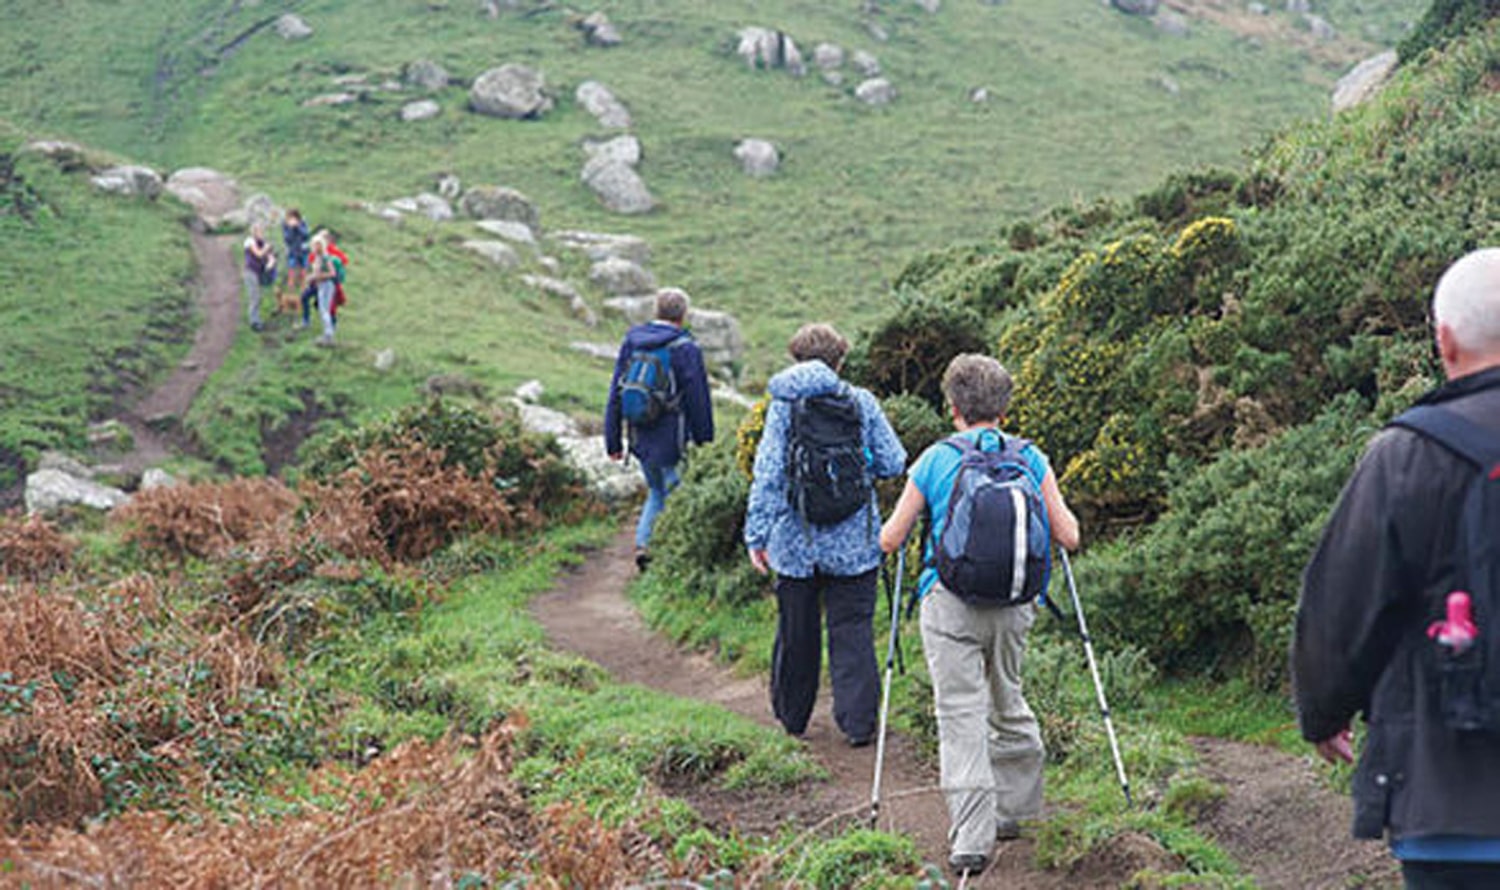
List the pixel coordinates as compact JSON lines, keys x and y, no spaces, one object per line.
{"x":1285,"y":825}
{"x":280,"y":443}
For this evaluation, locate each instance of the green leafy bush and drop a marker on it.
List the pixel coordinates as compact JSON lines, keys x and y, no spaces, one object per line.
{"x":860,"y":858}
{"x":1445,"y":20}
{"x":908,"y":352}
{"x":916,"y":424}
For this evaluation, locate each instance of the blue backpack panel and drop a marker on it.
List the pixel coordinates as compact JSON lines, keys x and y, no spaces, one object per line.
{"x":996,"y":547}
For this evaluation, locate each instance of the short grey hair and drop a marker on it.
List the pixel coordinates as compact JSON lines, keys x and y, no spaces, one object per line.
{"x":978,"y":386}
{"x":671,"y":304}
{"x":818,"y":341}
{"x":1467,"y":301}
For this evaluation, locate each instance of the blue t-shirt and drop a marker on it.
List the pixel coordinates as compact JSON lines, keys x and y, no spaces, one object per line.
{"x":1447,"y":848}
{"x":934,"y":474}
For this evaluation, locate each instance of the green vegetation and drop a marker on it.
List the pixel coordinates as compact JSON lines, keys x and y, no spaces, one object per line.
{"x":96,"y":300}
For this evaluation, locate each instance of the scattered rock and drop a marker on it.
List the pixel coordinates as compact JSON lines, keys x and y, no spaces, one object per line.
{"x":330,"y":100}
{"x":385,"y":360}
{"x":757,"y":157}
{"x":618,"y":186}
{"x":450,"y":186}
{"x":599,"y":245}
{"x":156,"y":477}
{"x":499,"y":202}
{"x":531,"y":391}
{"x":454,"y":385}
{"x":1319,"y":27}
{"x":426,"y":74}
{"x":421,"y":110}
{"x":768,"y":48}
{"x":514,"y":232}
{"x":549,"y":264}
{"x":130,"y":180}
{"x":70,"y":157}
{"x":351,"y":80}
{"x":497,"y":252}
{"x":875,"y":92}
{"x":619,"y":150}
{"x":260,"y":210}
{"x":612,"y":481}
{"x":1169,"y":84}
{"x":1136,"y":7}
{"x":211,"y":194}
{"x":547,"y":421}
{"x":618,"y":277}
{"x":510,"y":91}
{"x":598,"y":30}
{"x":293,"y":27}
{"x":563,"y":290}
{"x":719,"y":337}
{"x":110,"y":436}
{"x":635,"y":310}
{"x":979,"y":95}
{"x":598,"y":100}
{"x":865,"y":63}
{"x":724,"y":392}
{"x":434,"y":207}
{"x":605,"y":351}
{"x":828,"y":56}
{"x":50,"y":490}
{"x":62,"y":463}
{"x":1363,"y":81}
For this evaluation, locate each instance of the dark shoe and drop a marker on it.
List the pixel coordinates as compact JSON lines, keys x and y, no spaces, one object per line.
{"x":966,"y":865}
{"x":859,"y":741}
{"x":642,"y":558}
{"x":1007,"y":830}
{"x":257,"y":326}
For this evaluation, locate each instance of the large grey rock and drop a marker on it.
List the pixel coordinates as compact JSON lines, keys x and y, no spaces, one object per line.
{"x":769,"y":48}
{"x":260,"y":210}
{"x":865,"y":63}
{"x":48,"y":491}
{"x":62,"y":463}
{"x":603,"y":351}
{"x":598,"y":30}
{"x":420,"y":110}
{"x":426,"y":74}
{"x":385,"y":360}
{"x":509,"y":230}
{"x":719,"y":337}
{"x":618,"y":186}
{"x":875,"y":91}
{"x":757,"y":157}
{"x":497,"y":252}
{"x":1136,"y":7}
{"x":211,"y":194}
{"x":635,"y":310}
{"x":600,"y":245}
{"x":510,"y":91}
{"x":619,"y":277}
{"x":131,"y":180}
{"x":293,"y":27}
{"x":156,"y":477}
{"x":619,"y":150}
{"x":68,"y":156}
{"x":499,"y":202}
{"x":828,"y":56}
{"x":598,"y":100}
{"x":613,"y":481}
{"x":331,"y":100}
{"x":434,"y":207}
{"x":1363,"y":81}
{"x":531,"y":392}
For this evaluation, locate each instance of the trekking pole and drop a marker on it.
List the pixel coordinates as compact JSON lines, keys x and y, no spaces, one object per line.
{"x":1088,"y":648}
{"x":885,"y":692}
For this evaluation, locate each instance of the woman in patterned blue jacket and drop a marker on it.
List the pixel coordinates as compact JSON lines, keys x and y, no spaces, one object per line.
{"x":820,"y":568}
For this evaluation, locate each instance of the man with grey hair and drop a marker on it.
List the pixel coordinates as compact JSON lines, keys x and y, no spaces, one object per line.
{"x":663,"y":347}
{"x":1376,"y":628}
{"x":990,"y":749}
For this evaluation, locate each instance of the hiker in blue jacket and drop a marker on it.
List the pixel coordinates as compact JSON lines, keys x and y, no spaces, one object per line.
{"x":820,"y":567}
{"x":659,"y":445}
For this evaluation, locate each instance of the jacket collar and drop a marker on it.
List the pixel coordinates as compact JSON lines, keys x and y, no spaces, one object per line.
{"x":1462,"y":386}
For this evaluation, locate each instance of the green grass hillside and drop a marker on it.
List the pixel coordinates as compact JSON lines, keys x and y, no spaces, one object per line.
{"x":1084,"y":101}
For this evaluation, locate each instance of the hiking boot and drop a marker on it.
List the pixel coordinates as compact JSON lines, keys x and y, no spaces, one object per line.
{"x":859,"y":741}
{"x":642,"y":558}
{"x":966,"y":865}
{"x":1007,"y":829}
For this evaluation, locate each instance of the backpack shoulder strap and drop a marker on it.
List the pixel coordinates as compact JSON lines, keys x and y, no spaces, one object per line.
{"x":1453,"y":431}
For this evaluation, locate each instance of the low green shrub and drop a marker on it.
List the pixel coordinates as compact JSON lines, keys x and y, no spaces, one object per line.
{"x":859,"y":858}
{"x":907,"y":352}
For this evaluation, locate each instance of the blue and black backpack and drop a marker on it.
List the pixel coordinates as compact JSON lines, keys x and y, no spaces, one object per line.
{"x":648,"y":386}
{"x":996,"y":546}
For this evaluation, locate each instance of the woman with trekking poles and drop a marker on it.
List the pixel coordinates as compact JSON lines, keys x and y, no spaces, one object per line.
{"x":993,"y":508}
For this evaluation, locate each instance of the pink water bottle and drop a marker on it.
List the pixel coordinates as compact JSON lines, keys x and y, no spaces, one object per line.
{"x":1457,"y":631}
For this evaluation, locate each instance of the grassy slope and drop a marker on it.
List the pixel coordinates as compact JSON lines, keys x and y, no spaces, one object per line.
{"x":1078,"y":109}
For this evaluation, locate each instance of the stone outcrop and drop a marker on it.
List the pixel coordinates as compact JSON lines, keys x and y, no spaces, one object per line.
{"x":509,"y":230}
{"x":618,"y":277}
{"x":211,"y":194}
{"x":598,"y":30}
{"x":876,"y":91}
{"x":556,"y":287}
{"x":599,"y":101}
{"x":600,"y":245}
{"x":510,"y":91}
{"x":420,"y":110}
{"x":499,"y":202}
{"x":757,"y":157}
{"x":425,"y":74}
{"x":498,"y":252}
{"x":130,"y":180}
{"x":718,"y":335}
{"x":767,"y":48}
{"x":53,"y":488}
{"x":618,"y":186}
{"x":293,"y":27}
{"x":610,"y":480}
{"x":1363,"y":81}
{"x":865,"y":63}
{"x":619,"y":150}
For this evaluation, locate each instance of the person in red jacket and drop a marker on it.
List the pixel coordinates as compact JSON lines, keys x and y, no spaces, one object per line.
{"x":338,"y":286}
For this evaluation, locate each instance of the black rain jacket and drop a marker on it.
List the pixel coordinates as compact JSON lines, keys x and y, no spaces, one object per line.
{"x":1379,"y":577}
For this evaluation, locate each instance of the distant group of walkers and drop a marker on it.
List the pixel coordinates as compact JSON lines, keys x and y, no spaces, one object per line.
{"x":313,"y":274}
{"x":1398,"y":620}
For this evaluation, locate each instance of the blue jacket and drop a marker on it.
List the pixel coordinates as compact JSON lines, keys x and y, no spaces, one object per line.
{"x":661,"y":443}
{"x":796,"y":549}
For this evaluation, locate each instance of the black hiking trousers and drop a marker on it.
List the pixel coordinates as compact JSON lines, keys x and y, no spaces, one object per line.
{"x":1450,"y":875}
{"x":796,"y":659}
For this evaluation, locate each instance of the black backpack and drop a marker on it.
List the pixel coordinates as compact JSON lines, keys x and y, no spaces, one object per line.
{"x":828,"y":475}
{"x":1469,"y":669}
{"x":648,"y":386}
{"x":996,"y":548}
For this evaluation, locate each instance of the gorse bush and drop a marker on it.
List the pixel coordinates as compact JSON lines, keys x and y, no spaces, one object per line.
{"x":1443,"y":21}
{"x":908,"y":352}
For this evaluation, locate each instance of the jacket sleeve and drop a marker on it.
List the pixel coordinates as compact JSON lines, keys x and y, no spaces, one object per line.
{"x":612,"y":432}
{"x":695,"y":395}
{"x":768,"y":485}
{"x":887,"y":454}
{"x":1358,"y":595}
